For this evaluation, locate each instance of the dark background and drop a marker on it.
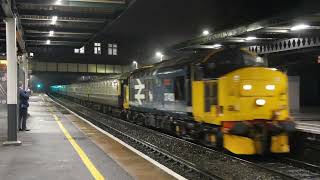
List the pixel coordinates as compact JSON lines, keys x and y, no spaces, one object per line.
{"x":151,"y":25}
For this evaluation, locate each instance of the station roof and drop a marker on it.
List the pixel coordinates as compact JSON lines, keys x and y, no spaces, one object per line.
{"x":68,"y":23}
{"x":281,"y":33}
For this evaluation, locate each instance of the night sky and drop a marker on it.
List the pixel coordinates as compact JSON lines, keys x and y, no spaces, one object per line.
{"x":157,"y":24}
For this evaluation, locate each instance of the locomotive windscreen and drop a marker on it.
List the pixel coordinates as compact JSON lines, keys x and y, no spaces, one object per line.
{"x":228,"y":60}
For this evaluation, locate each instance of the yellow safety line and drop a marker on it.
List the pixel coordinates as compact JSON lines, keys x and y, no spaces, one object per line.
{"x":85,"y":159}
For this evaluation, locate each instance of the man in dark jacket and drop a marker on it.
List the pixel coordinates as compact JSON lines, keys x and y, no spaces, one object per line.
{"x":23,"y":108}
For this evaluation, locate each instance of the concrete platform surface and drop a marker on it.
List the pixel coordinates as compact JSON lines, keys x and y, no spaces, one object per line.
{"x":46,"y":152}
{"x":312,"y":127}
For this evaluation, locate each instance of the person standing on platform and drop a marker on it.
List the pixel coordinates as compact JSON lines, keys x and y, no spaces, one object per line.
{"x":23,"y":108}
{"x":29,"y":92}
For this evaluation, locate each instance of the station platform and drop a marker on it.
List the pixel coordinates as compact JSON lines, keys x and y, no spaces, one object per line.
{"x":61,"y":146}
{"x":308,"y":120}
{"x":312,"y":127}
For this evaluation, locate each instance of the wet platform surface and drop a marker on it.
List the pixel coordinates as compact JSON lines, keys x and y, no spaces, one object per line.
{"x":308,"y":120}
{"x":312,"y":127}
{"x":46,"y":151}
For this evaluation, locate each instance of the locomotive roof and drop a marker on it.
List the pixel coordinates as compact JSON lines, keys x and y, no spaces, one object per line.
{"x":176,"y":61}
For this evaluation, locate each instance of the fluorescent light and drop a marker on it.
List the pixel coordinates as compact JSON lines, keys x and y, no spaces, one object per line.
{"x":299,"y":27}
{"x":159,"y":54}
{"x":58,"y":2}
{"x":3,"y":61}
{"x":135,"y":63}
{"x":205,"y":32}
{"x":259,"y":59}
{"x":250,"y":38}
{"x":54,"y":19}
{"x":51,"y":33}
{"x":48,"y":42}
{"x":216,"y":46}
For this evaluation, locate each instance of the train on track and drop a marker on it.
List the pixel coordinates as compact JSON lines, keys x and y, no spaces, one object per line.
{"x":223,"y":97}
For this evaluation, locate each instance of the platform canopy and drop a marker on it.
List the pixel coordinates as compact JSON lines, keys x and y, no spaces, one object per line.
{"x":62,"y":22}
{"x":295,"y":30}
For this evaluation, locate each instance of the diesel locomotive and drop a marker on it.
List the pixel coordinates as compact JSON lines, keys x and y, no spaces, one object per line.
{"x":223,"y":97}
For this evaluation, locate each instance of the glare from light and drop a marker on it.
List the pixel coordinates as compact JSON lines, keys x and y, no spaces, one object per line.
{"x":205,"y":32}
{"x":54,"y":19}
{"x":159,"y":54}
{"x":260,"y":102}
{"x":135,"y":63}
{"x":48,"y":42}
{"x":299,"y":27}
{"x":274,"y":69}
{"x":216,"y":46}
{"x":3,"y":61}
{"x":250,"y":38}
{"x":51,"y":33}
{"x":31,"y":54}
{"x":247,"y":87}
{"x":58,"y":2}
{"x":259,"y":59}
{"x":270,"y":87}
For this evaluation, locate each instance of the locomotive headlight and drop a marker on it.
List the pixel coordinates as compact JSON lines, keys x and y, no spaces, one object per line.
{"x":270,"y":87}
{"x":247,"y":87}
{"x":260,"y":102}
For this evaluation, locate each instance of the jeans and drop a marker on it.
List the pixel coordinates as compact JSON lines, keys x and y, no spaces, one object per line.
{"x":23,"y":114}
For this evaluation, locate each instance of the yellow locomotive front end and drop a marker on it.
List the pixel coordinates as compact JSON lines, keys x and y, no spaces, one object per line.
{"x":250,"y":107}
{"x":256,"y":117}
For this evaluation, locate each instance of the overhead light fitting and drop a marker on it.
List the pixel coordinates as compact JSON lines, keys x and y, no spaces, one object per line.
{"x":48,"y":42}
{"x":216,"y":46}
{"x":51,"y":33}
{"x":299,"y":27}
{"x":250,"y":38}
{"x":160,"y":55}
{"x":135,"y":63}
{"x":205,"y":32}
{"x":54,"y":19}
{"x":58,"y":2}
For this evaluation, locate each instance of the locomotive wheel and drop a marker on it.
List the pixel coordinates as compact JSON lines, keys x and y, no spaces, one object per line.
{"x":219,"y":140}
{"x":129,"y":116}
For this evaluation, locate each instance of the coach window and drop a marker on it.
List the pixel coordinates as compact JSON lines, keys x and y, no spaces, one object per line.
{"x":97,"y":48}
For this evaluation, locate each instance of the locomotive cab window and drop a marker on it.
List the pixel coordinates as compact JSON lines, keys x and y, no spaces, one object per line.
{"x":179,"y":92}
{"x":229,"y":60}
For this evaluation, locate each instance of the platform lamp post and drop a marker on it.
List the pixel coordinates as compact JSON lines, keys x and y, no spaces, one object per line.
{"x":12,"y":79}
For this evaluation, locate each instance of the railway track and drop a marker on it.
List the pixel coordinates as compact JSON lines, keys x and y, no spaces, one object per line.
{"x":287,"y":168}
{"x":275,"y":168}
